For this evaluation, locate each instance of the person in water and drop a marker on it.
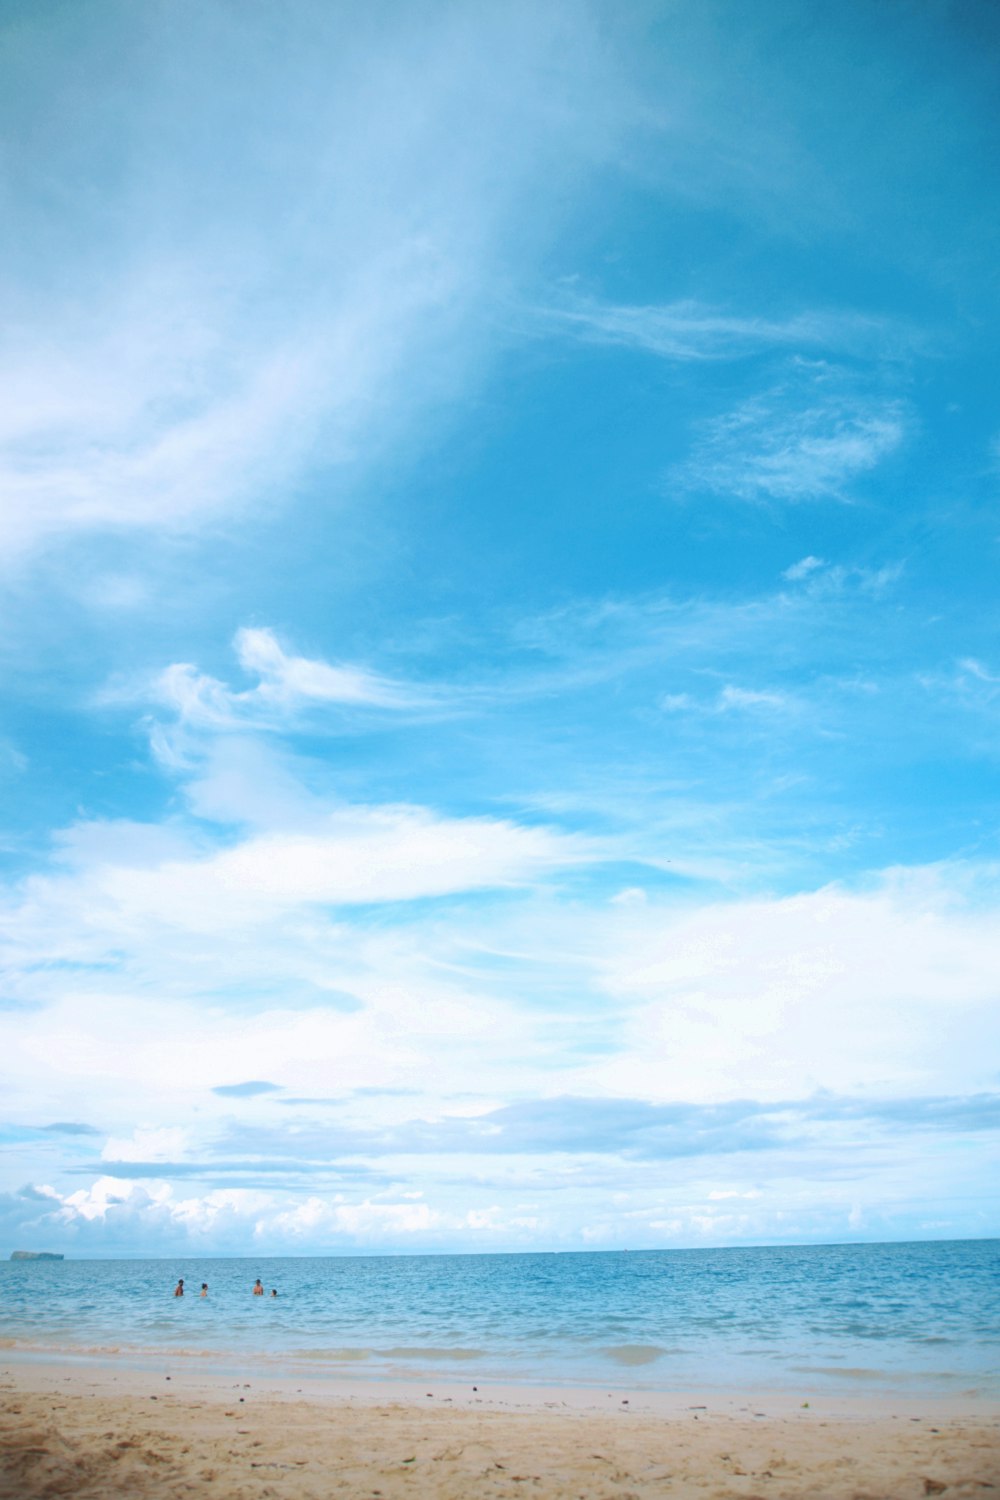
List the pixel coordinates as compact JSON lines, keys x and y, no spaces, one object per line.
{"x":204,"y":1289}
{"x":274,"y":1291}
{"x":179,"y":1288}
{"x":258,"y":1288}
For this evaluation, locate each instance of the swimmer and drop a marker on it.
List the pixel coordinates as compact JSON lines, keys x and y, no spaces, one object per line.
{"x":258,"y":1288}
{"x":274,"y":1291}
{"x":204,"y":1289}
{"x":179,"y":1288}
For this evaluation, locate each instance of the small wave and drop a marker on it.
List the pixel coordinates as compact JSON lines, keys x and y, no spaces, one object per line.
{"x":334,"y":1356}
{"x":405,"y":1353}
{"x":637,"y":1354}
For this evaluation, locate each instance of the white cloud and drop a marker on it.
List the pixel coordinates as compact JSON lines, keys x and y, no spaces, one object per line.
{"x":633,"y":895}
{"x":690,"y":330}
{"x":145,"y":953}
{"x":286,"y":679}
{"x":733,"y":697}
{"x":285,"y":684}
{"x":976,"y":669}
{"x":872,"y":990}
{"x":164,"y":1143}
{"x":253,"y":288}
{"x":154,"y":1215}
{"x":241,"y":778}
{"x":360,"y":855}
{"x":809,"y":441}
{"x":370,"y":1220}
{"x":803,"y":568}
{"x":971,"y":684}
{"x":848,"y":990}
{"x":151,"y":429}
{"x":150,"y":1213}
{"x":791,"y":1203}
{"x":118,"y":1053}
{"x":102,"y":1197}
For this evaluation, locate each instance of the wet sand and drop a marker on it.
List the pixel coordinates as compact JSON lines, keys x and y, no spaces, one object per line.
{"x":101,"y":1431}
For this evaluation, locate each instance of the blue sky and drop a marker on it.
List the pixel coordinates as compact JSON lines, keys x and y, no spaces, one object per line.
{"x":501,"y":670}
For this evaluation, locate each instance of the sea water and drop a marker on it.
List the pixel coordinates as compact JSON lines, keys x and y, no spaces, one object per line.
{"x":906,"y":1317}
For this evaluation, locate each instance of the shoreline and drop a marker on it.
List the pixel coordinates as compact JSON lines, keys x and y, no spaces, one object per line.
{"x":168,"y":1375}
{"x":100,"y":1430}
{"x":213,"y":1373}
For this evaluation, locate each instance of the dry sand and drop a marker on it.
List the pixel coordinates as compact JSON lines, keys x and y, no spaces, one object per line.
{"x":99,"y":1432}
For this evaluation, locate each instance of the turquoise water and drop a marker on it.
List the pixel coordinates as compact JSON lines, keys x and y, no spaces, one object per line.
{"x":913,"y":1317}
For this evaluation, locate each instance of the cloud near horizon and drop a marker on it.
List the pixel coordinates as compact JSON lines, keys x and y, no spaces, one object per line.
{"x":348,"y":1205}
{"x":806,"y":989}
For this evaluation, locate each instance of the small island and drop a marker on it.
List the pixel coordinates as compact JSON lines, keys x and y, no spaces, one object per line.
{"x":35,"y":1255}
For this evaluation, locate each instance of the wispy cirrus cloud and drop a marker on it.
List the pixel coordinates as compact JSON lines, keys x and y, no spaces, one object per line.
{"x":803,"y":568}
{"x":968,"y":683}
{"x":695,"y":331}
{"x":969,"y":666}
{"x":286,"y":684}
{"x":806,"y":442}
{"x":731,"y":698}
{"x":203,"y":362}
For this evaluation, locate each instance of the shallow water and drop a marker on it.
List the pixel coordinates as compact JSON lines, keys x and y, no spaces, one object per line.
{"x":912,"y":1317}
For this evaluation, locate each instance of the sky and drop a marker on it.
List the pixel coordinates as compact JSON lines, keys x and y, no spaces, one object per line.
{"x":499,"y":534}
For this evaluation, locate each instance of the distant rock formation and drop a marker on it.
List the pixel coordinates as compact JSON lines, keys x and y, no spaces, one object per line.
{"x":35,"y":1255}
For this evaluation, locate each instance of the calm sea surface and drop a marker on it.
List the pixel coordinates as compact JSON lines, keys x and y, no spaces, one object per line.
{"x":914,"y":1317}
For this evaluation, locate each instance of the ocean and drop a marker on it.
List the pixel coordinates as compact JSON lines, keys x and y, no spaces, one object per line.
{"x":916,"y":1318}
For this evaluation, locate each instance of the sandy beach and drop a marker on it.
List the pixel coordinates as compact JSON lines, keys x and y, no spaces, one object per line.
{"x":101,"y":1430}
